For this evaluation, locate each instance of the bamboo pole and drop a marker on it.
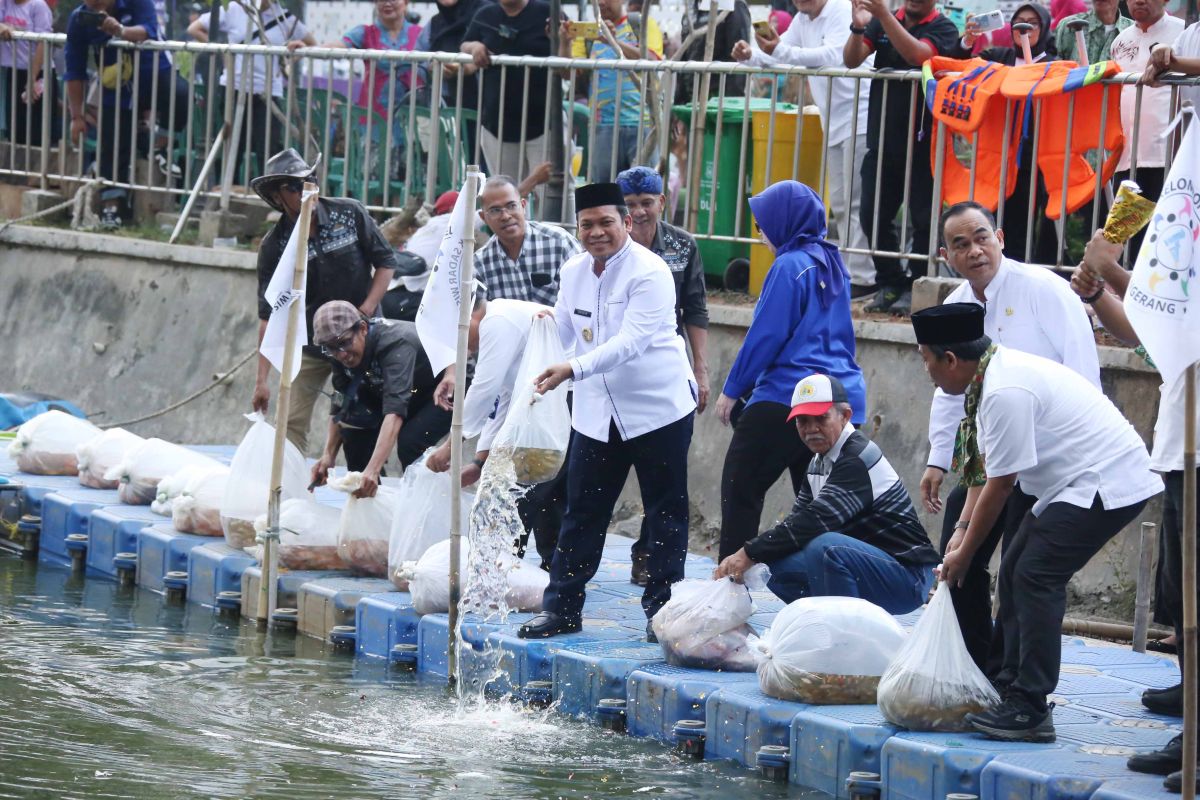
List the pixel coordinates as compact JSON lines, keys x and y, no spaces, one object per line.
{"x":466,"y":293}
{"x":699,"y":120}
{"x":268,"y":586}
{"x":1141,"y":605}
{"x":1189,"y":583}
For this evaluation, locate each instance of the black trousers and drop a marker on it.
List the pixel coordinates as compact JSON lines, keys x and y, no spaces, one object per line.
{"x":425,"y":425}
{"x":1034,"y":572}
{"x":889,"y":271}
{"x":113,"y":152}
{"x":596,"y":474}
{"x":1171,"y":555}
{"x":261,"y":143}
{"x":24,"y":119}
{"x":973,"y":600}
{"x":1017,"y":218}
{"x":764,"y":444}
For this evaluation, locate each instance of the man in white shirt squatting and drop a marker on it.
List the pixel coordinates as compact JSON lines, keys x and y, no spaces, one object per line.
{"x":1028,"y":309}
{"x":1039,"y":422}
{"x":635,"y":400}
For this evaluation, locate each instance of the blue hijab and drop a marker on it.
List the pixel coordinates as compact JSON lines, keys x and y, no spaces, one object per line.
{"x":792,"y":217}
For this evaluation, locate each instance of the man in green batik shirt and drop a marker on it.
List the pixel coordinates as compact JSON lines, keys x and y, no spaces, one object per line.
{"x":1104,"y":22}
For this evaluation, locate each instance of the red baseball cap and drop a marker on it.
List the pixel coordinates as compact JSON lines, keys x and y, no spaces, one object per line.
{"x":445,"y":202}
{"x":815,"y":395}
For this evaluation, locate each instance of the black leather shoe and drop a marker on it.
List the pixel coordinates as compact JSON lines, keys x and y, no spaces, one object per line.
{"x":547,"y":624}
{"x":1160,"y":762}
{"x":1164,"y":701}
{"x":639,"y":572}
{"x":650,"y":637}
{"x":1174,"y":783}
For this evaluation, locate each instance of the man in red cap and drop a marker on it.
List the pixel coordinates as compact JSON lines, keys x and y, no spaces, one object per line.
{"x":853,"y":531}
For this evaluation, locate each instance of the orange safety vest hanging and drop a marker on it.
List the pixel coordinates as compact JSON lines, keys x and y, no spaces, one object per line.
{"x":961,"y":100}
{"x":1050,"y":89}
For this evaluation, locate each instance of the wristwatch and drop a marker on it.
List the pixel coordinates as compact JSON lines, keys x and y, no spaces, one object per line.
{"x":1092,"y":300}
{"x":857,"y":30}
{"x":477,"y":462}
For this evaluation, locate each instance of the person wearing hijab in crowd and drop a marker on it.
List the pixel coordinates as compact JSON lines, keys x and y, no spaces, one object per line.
{"x":801,"y":326}
{"x":444,"y":34}
{"x":1016,"y":208}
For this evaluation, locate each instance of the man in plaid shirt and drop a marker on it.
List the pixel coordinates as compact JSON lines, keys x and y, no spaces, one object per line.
{"x":522,"y":259}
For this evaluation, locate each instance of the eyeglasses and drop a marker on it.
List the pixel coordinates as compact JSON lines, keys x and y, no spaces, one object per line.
{"x":507,"y":208}
{"x":341,"y":344}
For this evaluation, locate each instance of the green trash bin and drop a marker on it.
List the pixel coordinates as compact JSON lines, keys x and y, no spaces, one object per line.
{"x":720,"y":256}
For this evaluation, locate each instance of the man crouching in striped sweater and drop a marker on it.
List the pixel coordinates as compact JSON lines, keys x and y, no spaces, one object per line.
{"x":853,"y":531}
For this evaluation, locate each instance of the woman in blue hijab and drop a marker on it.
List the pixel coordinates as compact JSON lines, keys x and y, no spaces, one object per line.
{"x":801,"y":325}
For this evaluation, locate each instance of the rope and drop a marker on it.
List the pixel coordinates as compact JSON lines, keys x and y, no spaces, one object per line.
{"x":75,"y":199}
{"x":221,"y":378}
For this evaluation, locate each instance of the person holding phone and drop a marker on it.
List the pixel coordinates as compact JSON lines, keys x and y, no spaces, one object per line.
{"x":93,"y":27}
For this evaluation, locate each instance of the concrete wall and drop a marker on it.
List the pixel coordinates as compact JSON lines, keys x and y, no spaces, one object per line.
{"x":125,"y":327}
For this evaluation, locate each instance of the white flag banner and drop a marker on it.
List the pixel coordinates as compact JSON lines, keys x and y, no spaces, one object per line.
{"x":437,"y":317}
{"x":280,"y":295}
{"x":1161,"y":300}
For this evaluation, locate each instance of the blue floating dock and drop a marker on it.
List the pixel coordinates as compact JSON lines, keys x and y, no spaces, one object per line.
{"x":287,"y":587}
{"x":115,"y":529}
{"x":162,"y":549}
{"x":1098,"y":715}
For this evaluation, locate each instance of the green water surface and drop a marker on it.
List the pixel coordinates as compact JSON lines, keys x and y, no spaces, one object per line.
{"x":111,"y":693}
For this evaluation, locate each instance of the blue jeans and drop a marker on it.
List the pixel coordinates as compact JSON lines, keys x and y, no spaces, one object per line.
{"x":601,"y":167}
{"x":834,"y":564}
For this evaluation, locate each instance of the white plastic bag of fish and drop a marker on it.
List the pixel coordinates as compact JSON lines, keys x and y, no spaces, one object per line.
{"x":932,"y":683}
{"x":365,"y":526}
{"x":429,"y":579}
{"x":172,"y":486}
{"x":145,"y":467}
{"x":197,"y":509}
{"x":101,"y":453}
{"x":249,"y":487}
{"x":827,"y":650}
{"x":538,"y":426}
{"x":423,"y":518}
{"x":308,"y":534}
{"x":47,"y":444}
{"x":705,"y":626}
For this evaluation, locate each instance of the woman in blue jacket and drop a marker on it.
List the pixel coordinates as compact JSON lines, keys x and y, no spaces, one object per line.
{"x":801,"y":325}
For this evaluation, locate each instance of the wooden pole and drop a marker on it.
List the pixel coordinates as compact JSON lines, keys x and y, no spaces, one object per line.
{"x":699,"y":120}
{"x":268,"y":587}
{"x":466,"y":293}
{"x":1189,"y":584}
{"x":1141,"y":603}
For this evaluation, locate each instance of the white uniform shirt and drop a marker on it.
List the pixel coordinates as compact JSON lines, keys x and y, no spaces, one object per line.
{"x":425,"y":242}
{"x":281,"y":27}
{"x":1131,"y":49}
{"x":1188,"y":46}
{"x":818,"y":43}
{"x":1167,"y":455}
{"x":1061,"y":435}
{"x":1028,"y":309}
{"x":630,"y":366}
{"x":503,"y":332}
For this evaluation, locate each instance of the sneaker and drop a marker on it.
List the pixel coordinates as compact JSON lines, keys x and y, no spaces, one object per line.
{"x":903,"y":305}
{"x":110,"y":217}
{"x":884,"y":299}
{"x":1015,"y":720}
{"x":1160,"y":762}
{"x":167,"y":168}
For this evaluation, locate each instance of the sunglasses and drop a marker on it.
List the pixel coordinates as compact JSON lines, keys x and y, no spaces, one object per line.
{"x":341,"y":344}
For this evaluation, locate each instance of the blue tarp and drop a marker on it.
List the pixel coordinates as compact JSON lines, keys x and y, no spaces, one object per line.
{"x":18,"y":408}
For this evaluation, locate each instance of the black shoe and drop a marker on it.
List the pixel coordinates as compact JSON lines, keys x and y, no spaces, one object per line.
{"x":1159,"y":646}
{"x":110,"y":217}
{"x":1167,"y":701}
{"x":639,"y":572}
{"x":1015,"y":720}
{"x":1160,"y":762}
{"x":903,"y":305}
{"x":884,"y":298}
{"x":547,"y":624}
{"x":1174,"y":783}
{"x":650,"y":636}
{"x":858,"y":290}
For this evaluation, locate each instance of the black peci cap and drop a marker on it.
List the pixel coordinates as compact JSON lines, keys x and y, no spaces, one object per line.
{"x":951,"y":323}
{"x":598,"y":194}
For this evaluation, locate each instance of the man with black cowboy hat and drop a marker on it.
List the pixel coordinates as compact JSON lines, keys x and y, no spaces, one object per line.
{"x":383,"y":396}
{"x":348,"y":259}
{"x":1032,"y":420}
{"x":635,"y":399}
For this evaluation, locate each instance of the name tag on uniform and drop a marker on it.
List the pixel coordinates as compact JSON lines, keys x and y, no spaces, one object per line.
{"x":583,"y":313}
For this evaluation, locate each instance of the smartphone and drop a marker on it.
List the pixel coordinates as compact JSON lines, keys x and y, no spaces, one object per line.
{"x":991,"y":21}
{"x":763,"y":28}
{"x":91,"y":19}
{"x":584,"y":30}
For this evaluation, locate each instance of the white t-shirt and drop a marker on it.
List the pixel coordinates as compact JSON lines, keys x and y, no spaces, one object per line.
{"x":1061,"y":435}
{"x":503,"y":332}
{"x":818,"y":43}
{"x":1028,"y":309}
{"x":1167,"y":455}
{"x":279,"y":26}
{"x":1188,"y":46}
{"x":1131,"y":49}
{"x":425,"y":242}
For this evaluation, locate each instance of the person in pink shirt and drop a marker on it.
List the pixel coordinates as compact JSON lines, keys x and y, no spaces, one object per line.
{"x":23,"y":108}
